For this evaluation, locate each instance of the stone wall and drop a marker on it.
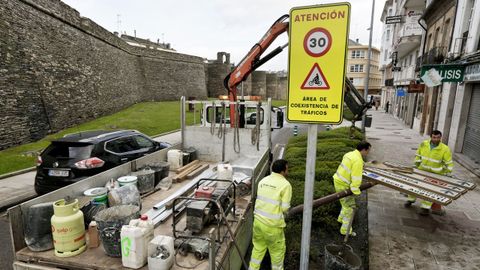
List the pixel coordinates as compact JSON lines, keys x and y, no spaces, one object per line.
{"x":272,"y":85}
{"x":218,"y":69}
{"x":58,"y":69}
{"x":259,"y":83}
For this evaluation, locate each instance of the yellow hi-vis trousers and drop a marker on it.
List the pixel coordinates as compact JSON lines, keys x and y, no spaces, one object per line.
{"x":348,"y":203}
{"x":271,"y":238}
{"x":424,"y":204}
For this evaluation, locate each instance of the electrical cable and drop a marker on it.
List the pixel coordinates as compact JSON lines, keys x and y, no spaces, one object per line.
{"x":236,"y":132}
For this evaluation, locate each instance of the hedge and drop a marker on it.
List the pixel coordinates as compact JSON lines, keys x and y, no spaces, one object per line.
{"x":331,"y":146}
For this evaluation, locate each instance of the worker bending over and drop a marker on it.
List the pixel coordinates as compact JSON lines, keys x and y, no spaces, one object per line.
{"x":349,"y":176}
{"x":432,"y":156}
{"x":273,"y":201}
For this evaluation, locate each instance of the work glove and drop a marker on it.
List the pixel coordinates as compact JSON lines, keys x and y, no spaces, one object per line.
{"x":356,"y":191}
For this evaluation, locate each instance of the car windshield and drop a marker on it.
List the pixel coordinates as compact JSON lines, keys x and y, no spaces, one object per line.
{"x":62,"y":150}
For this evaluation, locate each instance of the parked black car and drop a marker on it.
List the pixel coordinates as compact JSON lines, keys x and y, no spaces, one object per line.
{"x":77,"y":156}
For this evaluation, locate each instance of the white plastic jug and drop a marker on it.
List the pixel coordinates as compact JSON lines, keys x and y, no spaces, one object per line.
{"x":160,"y":253}
{"x":175,"y":159}
{"x":224,"y":172}
{"x":134,"y":240}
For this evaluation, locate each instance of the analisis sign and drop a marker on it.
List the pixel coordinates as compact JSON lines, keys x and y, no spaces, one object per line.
{"x":449,"y":73}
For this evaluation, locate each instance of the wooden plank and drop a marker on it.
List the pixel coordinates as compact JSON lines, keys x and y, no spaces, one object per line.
{"x":183,"y":175}
{"x":452,"y":194}
{"x":414,"y":191}
{"x":17,"y":235}
{"x":193,"y":163}
{"x":198,"y":171}
{"x":459,"y":182}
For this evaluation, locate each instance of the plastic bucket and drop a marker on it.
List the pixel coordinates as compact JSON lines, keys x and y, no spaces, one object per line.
{"x":161,"y":170}
{"x":145,"y":180}
{"x":110,"y":222}
{"x":98,"y":195}
{"x":189,"y":155}
{"x":38,"y":228}
{"x":341,"y":257}
{"x":127,"y":180}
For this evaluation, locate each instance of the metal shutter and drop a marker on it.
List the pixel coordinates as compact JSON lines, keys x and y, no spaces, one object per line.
{"x":471,"y":143}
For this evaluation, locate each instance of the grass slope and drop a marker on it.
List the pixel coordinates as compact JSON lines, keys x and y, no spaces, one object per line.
{"x":151,"y":118}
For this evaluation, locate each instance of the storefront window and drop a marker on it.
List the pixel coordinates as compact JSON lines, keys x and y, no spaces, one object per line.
{"x":418,"y":113}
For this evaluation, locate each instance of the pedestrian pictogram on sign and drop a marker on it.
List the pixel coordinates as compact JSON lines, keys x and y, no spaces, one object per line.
{"x":317,"y":42}
{"x":315,"y":80}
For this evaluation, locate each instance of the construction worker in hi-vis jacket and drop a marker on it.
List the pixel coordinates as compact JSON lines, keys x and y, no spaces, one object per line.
{"x":349,"y":176}
{"x":273,"y":200}
{"x":432,"y":156}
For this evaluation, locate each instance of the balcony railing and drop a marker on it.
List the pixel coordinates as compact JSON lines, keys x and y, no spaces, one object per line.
{"x":389,"y":82}
{"x":434,"y":56}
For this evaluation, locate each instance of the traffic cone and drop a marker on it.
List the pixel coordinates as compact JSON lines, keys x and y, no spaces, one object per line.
{"x":295,"y":130}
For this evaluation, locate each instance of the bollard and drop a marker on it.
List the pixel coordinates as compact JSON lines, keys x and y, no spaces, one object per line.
{"x":295,"y":130}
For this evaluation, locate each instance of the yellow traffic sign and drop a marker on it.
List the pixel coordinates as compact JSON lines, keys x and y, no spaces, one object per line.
{"x":318,"y":42}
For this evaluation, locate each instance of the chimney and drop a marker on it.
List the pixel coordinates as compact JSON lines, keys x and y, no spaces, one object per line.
{"x":356,"y":40}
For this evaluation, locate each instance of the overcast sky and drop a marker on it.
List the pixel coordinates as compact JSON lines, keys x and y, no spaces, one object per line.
{"x":203,"y":28}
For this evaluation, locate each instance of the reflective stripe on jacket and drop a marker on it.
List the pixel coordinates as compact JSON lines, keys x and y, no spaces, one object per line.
{"x":437,"y":160}
{"x":273,"y":199}
{"x":349,"y":172}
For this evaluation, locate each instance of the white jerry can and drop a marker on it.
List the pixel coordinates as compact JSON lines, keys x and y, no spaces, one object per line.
{"x":134,"y":240}
{"x":224,"y":172}
{"x":175,"y":159}
{"x":160,"y":253}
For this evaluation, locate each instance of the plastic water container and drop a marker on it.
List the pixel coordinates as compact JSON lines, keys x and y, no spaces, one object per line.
{"x":134,"y":239}
{"x":98,"y":195}
{"x":160,"y":253}
{"x":224,"y":172}
{"x":68,"y":228}
{"x":175,"y":159}
{"x":127,"y":180}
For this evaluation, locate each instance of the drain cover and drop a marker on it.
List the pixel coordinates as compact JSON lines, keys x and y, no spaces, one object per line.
{"x":414,"y":148}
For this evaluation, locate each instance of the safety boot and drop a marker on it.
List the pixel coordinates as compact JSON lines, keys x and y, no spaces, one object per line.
{"x":424,"y":212}
{"x":408,"y":204}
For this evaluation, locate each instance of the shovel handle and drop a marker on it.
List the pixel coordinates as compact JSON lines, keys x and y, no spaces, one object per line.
{"x":349,"y":227}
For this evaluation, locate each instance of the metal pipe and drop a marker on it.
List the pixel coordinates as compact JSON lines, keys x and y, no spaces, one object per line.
{"x":182,"y":113}
{"x":327,"y":199}
{"x":308,"y":195}
{"x":365,"y":91}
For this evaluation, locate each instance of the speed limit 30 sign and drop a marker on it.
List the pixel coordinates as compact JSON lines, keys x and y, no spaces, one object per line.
{"x":318,"y":46}
{"x":317,"y":42}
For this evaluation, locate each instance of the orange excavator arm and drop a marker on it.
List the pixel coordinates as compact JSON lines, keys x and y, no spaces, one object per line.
{"x":252,"y":61}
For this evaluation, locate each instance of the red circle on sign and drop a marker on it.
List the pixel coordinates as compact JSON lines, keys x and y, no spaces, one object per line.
{"x":312,"y":32}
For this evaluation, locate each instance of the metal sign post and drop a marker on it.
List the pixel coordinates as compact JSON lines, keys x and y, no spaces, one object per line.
{"x":318,"y":38}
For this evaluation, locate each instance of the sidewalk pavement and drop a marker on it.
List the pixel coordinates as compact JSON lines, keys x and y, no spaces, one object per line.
{"x":16,"y":189}
{"x":399,"y":238}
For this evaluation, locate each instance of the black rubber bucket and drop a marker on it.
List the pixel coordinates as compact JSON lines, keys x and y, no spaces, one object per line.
{"x":189,"y":155}
{"x":38,"y":229}
{"x":161,"y":170}
{"x":110,"y":222}
{"x":145,"y":179}
{"x":341,"y":257}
